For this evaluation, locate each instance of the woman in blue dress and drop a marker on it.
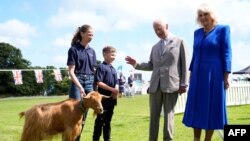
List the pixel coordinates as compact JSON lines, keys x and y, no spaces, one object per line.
{"x":210,"y":68}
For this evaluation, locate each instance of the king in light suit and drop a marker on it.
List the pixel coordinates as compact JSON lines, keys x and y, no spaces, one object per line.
{"x":169,"y":63}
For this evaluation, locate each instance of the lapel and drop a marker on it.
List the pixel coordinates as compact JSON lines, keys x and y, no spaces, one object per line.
{"x":168,"y":44}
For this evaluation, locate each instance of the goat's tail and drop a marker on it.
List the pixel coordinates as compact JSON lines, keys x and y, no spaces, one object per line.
{"x":21,"y":114}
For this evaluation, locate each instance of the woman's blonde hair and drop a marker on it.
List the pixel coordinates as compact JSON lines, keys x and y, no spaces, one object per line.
{"x":207,"y":9}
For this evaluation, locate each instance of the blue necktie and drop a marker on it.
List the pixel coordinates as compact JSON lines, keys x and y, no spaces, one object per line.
{"x":163,"y":44}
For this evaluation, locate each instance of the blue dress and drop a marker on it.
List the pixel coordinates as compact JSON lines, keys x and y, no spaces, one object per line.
{"x":206,"y":101}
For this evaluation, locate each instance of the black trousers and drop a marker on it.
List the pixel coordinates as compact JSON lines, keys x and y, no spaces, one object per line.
{"x":102,"y":123}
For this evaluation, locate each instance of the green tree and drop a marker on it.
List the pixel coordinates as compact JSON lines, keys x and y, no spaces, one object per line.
{"x":51,"y":86}
{"x":11,"y":58}
{"x":62,"y":87}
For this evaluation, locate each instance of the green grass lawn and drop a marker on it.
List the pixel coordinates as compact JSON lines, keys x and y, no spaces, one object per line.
{"x":130,"y":121}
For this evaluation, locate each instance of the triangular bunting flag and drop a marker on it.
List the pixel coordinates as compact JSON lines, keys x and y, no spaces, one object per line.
{"x":17,"y":75}
{"x":39,"y":76}
{"x":58,"y":75}
{"x":119,"y":68}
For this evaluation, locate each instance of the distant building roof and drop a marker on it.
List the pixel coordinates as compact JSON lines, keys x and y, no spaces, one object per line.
{"x":243,"y":71}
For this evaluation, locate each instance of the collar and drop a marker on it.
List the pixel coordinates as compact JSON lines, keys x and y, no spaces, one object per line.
{"x":110,"y":65}
{"x":83,"y":47}
{"x":82,"y":107}
{"x":168,"y":39}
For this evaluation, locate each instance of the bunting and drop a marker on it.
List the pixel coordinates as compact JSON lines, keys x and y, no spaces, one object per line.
{"x":58,"y":75}
{"x":17,"y":75}
{"x":39,"y":76}
{"x":119,"y":67}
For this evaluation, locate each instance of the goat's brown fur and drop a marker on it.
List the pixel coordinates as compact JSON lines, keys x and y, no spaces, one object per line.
{"x":45,"y":120}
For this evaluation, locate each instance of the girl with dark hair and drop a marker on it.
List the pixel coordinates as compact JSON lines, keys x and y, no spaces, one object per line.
{"x":81,"y":64}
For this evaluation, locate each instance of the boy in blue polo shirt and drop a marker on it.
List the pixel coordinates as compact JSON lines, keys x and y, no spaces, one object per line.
{"x":106,"y":80}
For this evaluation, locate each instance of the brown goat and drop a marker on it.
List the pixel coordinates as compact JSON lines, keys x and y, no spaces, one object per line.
{"x":65,"y":117}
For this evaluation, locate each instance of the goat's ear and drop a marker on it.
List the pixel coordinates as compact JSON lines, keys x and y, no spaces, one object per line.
{"x":87,"y":96}
{"x":104,"y":96}
{"x":92,"y":92}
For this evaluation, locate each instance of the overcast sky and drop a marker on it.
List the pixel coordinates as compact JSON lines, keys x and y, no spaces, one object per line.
{"x":43,"y":29}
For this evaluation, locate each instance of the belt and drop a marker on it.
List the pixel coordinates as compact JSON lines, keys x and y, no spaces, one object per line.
{"x":86,"y":76}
